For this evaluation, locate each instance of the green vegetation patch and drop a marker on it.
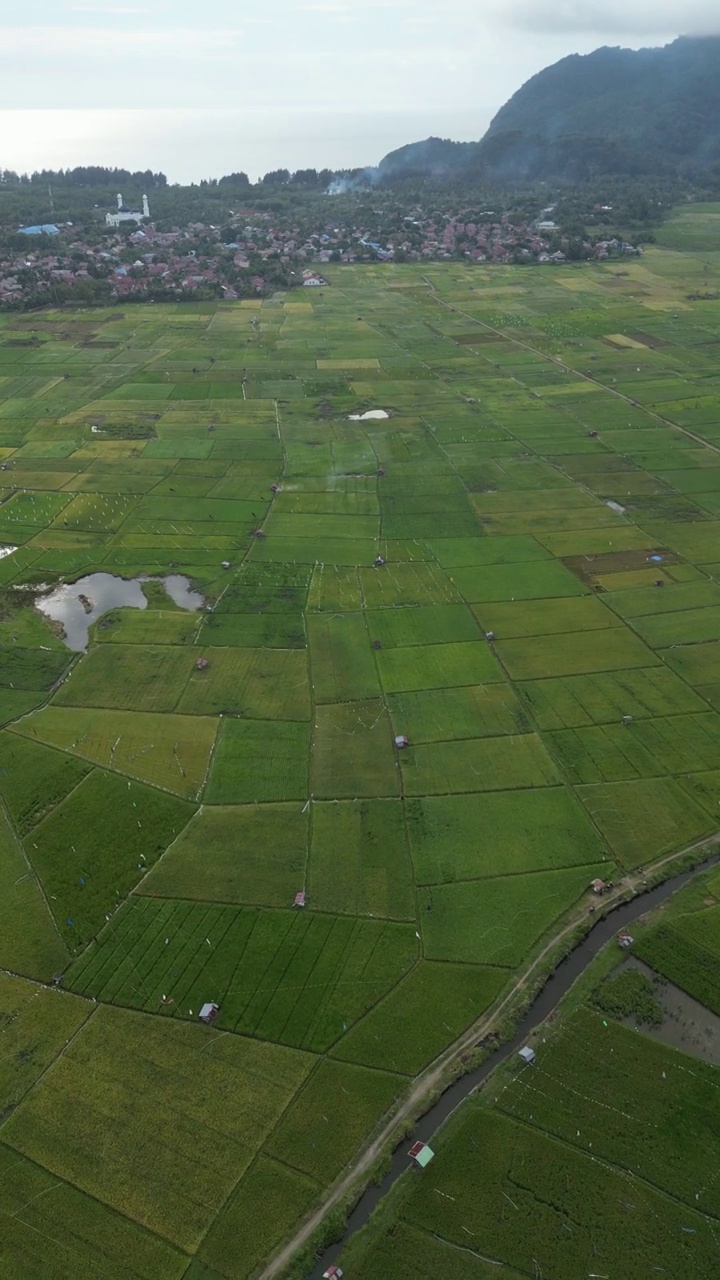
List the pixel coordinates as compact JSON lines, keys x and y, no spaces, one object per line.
{"x":426,"y":624}
{"x":353,"y":752}
{"x":436,"y":666}
{"x":696,"y":663}
{"x":97,"y":844}
{"x":498,"y":920}
{"x":190,"y":1144}
{"x":252,"y":630}
{"x":334,"y":589}
{"x":472,"y":837}
{"x":406,"y":583}
{"x":307,"y":1140}
{"x":51,"y":1230}
{"x":130,"y":677}
{"x":572,"y":701}
{"x":545,"y":617}
{"x":35,"y":1024}
{"x":259,"y":760}
{"x":671,"y":950}
{"x":412,"y":1253}
{"x":33,"y":779}
{"x":613,"y":649}
{"x":170,"y":751}
{"x":32,"y":668}
{"x":242,"y":853}
{"x":477,"y":764}
{"x":442,"y":715}
{"x":29,"y":941}
{"x":266,"y":1204}
{"x":359,"y":863}
{"x":642,"y":820}
{"x":683,"y":626}
{"x":550,"y":1183}
{"x":266,"y":588}
{"x":257,"y":683}
{"x":538,"y":580}
{"x":292,"y":976}
{"x":610,"y":1062}
{"x":402,"y":1034}
{"x":341,"y":657}
{"x":629,"y":995}
{"x":147,"y":627}
{"x":619,"y":753}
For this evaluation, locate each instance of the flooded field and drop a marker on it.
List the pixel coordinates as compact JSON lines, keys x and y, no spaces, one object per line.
{"x":77,"y":605}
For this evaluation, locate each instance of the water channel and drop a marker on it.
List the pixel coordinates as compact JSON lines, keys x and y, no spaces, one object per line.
{"x":78,"y":604}
{"x":557,"y":986}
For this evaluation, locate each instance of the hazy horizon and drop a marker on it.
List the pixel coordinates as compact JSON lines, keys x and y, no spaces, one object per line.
{"x":300,"y":83}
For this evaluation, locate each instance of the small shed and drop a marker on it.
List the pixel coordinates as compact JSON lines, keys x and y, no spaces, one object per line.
{"x":490,"y":636}
{"x":625,"y":940}
{"x":224,"y":564}
{"x":202,"y":664}
{"x":527,"y":1054}
{"x":598,"y":886}
{"x":300,"y":898}
{"x":401,"y":741}
{"x":378,"y":561}
{"x":627,"y":720}
{"x":209,"y":1012}
{"x":333,"y":1273}
{"x":258,"y":533}
{"x":421,"y":1154}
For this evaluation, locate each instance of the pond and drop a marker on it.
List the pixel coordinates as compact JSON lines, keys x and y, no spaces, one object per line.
{"x":77,"y":605}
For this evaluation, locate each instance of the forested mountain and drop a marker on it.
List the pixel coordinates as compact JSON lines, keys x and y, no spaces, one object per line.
{"x":614,"y":111}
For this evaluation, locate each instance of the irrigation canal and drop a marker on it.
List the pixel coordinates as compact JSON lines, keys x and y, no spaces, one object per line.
{"x":547,"y":1000}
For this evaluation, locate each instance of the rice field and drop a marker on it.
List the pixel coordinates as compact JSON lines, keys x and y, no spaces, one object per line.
{"x":448,"y":666}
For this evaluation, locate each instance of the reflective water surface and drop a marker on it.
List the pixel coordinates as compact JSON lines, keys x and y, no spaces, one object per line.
{"x":76,"y":605}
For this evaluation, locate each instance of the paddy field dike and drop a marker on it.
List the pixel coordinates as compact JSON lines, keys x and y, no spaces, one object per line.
{"x":516,"y":571}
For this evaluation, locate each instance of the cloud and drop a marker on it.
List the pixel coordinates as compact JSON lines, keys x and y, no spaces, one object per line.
{"x":34,"y":43}
{"x":610,"y":19}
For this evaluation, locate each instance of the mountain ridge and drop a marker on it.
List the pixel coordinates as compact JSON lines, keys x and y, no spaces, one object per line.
{"x":614,"y":111}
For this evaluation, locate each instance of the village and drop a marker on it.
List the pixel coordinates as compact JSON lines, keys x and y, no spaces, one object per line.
{"x":128,"y":257}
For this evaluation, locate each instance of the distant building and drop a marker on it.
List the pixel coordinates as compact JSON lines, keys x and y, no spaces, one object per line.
{"x":127,"y":215}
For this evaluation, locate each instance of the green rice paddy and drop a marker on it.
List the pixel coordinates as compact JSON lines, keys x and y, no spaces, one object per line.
{"x":476,"y":573}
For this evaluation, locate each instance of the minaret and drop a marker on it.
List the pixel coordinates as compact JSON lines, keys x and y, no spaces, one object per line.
{"x":146,"y":207}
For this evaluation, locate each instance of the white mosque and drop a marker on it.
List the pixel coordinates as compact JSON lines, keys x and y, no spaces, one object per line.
{"x":127,"y":215}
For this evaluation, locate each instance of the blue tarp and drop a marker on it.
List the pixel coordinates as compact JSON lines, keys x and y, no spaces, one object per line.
{"x":47,"y":229}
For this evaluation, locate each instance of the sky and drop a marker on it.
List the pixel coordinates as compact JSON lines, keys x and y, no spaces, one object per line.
{"x":200,"y":90}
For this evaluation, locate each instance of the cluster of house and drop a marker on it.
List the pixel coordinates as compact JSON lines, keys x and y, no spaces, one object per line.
{"x":264,"y":251}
